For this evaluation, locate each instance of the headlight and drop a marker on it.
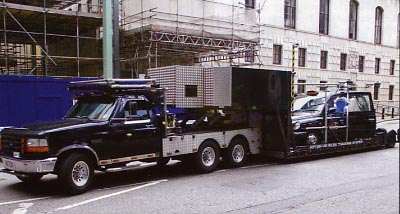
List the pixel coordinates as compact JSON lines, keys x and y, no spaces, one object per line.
{"x":296,"y":126}
{"x":36,"y":145}
{"x":33,"y":142}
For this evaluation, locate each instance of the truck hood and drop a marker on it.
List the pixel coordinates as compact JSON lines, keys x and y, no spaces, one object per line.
{"x":53,"y":126}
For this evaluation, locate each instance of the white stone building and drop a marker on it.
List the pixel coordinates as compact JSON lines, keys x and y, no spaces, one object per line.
{"x":336,"y":40}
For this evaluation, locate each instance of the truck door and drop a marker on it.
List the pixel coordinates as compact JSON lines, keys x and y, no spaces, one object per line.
{"x":133,"y":131}
{"x":362,"y":120}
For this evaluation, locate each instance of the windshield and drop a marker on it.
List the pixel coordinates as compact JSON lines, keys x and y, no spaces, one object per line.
{"x":94,"y":109}
{"x":314,"y":105}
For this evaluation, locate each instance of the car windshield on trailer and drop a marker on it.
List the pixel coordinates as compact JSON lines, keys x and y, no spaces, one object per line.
{"x":315,"y":105}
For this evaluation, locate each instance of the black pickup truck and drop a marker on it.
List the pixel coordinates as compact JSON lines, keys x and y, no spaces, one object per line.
{"x":98,"y":129}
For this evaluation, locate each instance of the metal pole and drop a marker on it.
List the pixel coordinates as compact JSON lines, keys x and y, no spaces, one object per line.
{"x":165,"y":112}
{"x":326,"y":118}
{"x":347,"y":113}
{"x":45,"y":36}
{"x":107,"y":39}
{"x":5,"y":39}
{"x":293,"y":73}
{"x":77,"y":46}
{"x":117,"y":73}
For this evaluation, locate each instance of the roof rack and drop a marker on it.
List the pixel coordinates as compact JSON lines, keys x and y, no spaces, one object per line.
{"x":112,"y":84}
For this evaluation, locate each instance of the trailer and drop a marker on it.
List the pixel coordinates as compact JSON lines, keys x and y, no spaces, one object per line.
{"x":193,"y":114}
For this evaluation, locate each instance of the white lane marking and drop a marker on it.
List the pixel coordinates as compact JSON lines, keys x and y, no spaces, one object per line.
{"x":254,"y":166}
{"x":221,"y":170}
{"x":109,"y":195}
{"x":25,"y":200}
{"x":23,"y":208}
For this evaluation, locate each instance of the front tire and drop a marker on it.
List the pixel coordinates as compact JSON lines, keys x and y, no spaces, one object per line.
{"x":207,"y":157}
{"x":236,"y":154}
{"x":76,"y":174}
{"x":30,"y":179}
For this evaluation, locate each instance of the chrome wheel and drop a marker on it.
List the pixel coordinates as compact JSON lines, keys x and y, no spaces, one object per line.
{"x":312,"y":139}
{"x":80,"y":173}
{"x":208,"y":156}
{"x":238,"y":153}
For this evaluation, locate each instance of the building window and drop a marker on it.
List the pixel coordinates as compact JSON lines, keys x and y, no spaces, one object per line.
{"x":302,"y":57}
{"x":324,"y":59}
{"x":376,"y":91}
{"x":323,"y":16}
{"x":277,"y":58}
{"x":398,"y":30}
{"x":343,"y":61}
{"x":377,"y":65}
{"x":353,"y":19}
{"x":290,"y":13}
{"x":249,"y":56}
{"x":391,"y":89}
{"x":250,"y":4}
{"x":378,"y":25}
{"x":392,"y":64}
{"x":89,"y":6}
{"x":301,"y":89}
{"x":361,"y":60}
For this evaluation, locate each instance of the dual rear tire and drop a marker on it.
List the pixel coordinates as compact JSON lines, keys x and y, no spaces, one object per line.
{"x":208,"y":156}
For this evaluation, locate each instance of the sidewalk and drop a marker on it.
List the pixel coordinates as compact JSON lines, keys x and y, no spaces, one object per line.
{"x":387,"y":118}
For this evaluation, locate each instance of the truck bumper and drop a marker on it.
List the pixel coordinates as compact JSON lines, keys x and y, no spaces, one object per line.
{"x":29,"y":166}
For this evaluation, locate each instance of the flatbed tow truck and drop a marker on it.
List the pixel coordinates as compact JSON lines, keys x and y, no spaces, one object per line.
{"x":193,"y":114}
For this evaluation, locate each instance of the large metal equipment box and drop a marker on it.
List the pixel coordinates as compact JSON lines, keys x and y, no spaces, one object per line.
{"x":195,"y":87}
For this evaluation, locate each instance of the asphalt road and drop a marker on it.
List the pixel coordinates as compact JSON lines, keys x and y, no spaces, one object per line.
{"x":365,"y":182}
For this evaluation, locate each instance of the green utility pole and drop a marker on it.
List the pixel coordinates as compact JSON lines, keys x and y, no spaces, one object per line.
{"x":107,"y":39}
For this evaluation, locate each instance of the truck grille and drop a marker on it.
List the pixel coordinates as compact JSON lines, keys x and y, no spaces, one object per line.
{"x":10,"y":144}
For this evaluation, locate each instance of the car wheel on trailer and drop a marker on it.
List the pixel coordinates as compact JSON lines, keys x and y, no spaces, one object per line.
{"x":236,"y":154}
{"x":391,"y":140}
{"x":207,"y":157}
{"x":312,"y":138}
{"x":29,"y":179}
{"x":76,"y":173}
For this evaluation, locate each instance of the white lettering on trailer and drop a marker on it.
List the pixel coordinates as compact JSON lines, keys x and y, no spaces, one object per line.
{"x":331,"y":145}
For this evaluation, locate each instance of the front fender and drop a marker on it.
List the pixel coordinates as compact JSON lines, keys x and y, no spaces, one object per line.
{"x":78,"y":147}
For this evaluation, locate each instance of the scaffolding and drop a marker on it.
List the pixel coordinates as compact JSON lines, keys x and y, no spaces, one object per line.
{"x":182,"y":32}
{"x":50,"y":38}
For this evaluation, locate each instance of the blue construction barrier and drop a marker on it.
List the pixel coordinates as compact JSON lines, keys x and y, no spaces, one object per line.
{"x":29,"y":99}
